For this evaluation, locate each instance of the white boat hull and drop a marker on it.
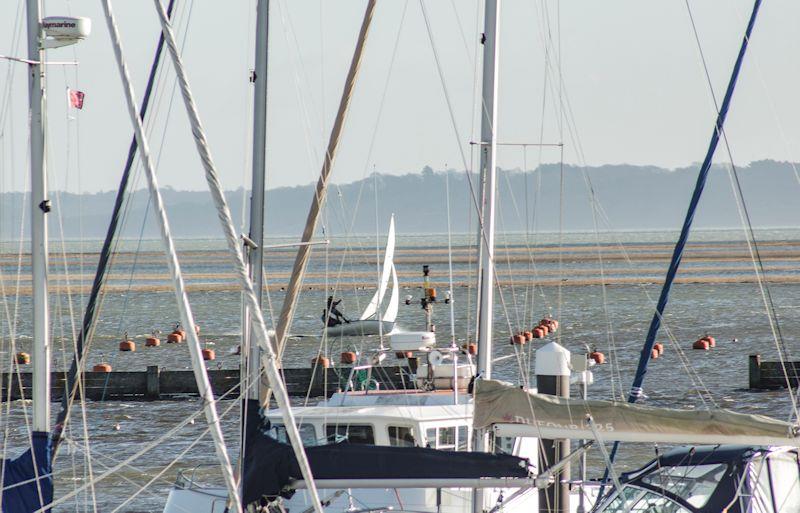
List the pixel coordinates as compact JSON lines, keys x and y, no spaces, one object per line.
{"x":422,"y":500}
{"x":360,"y":328}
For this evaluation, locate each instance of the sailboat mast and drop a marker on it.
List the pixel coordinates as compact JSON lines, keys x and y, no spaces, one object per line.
{"x":256,"y":255}
{"x":40,"y":206}
{"x":488,"y":169}
{"x":488,"y":160}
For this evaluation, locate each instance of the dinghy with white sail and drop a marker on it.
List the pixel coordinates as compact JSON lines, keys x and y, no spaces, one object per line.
{"x":373,"y":320}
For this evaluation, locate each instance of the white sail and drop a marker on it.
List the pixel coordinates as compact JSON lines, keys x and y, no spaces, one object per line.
{"x":394,"y":300}
{"x":511,"y":411}
{"x":388,"y":264}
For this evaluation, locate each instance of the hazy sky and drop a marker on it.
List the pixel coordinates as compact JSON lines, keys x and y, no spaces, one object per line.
{"x":631,"y":71}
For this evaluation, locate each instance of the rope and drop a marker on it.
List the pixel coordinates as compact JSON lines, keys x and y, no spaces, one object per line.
{"x":180,"y":292}
{"x":259,"y":326}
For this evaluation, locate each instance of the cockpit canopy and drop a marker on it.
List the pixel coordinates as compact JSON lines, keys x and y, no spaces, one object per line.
{"x":732,"y":478}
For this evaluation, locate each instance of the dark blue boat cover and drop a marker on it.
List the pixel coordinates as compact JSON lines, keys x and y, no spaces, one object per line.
{"x":270,"y":465}
{"x":33,"y":470}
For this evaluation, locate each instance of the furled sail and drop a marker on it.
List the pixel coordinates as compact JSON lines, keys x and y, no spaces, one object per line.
{"x":270,"y":466}
{"x":388,"y":265}
{"x":516,"y":412}
{"x":26,"y":481}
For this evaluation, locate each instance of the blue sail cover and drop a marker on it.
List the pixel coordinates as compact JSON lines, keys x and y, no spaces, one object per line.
{"x":270,"y":465}
{"x":28,"y":480}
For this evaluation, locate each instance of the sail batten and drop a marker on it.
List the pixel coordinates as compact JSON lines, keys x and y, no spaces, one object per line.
{"x":515,"y":412}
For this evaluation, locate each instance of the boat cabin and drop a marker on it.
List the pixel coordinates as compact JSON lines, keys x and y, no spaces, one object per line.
{"x":394,"y":418}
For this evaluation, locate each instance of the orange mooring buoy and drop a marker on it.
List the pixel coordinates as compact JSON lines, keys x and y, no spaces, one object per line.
{"x":152,"y":342}
{"x":322,"y":361}
{"x":350,"y":357}
{"x":598,"y":357}
{"x":518,"y":339}
{"x":127,"y":345}
{"x":701,"y":344}
{"x":710,"y":340}
{"x":537,"y":332}
{"x":102,"y":367}
{"x":174,"y":338}
{"x":544,"y":329}
{"x":654,"y":353}
{"x":658,"y":346}
{"x":208,"y":354}
{"x":528,"y":335}
{"x":23,"y":358}
{"x":551,"y":324}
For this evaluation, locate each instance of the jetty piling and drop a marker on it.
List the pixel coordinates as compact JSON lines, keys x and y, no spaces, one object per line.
{"x":770,"y":375}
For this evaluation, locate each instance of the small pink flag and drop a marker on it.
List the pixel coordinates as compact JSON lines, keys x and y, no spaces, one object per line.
{"x":76,"y":99}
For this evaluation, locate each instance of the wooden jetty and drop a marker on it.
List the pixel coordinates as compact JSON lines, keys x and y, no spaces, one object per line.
{"x":767,"y":375}
{"x":156,"y":383}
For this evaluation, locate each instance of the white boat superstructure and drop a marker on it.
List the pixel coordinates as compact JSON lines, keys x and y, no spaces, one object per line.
{"x":386,"y":418}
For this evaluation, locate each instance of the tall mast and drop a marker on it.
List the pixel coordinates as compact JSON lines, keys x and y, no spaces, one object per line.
{"x":256,"y":254}
{"x":488,"y":171}
{"x":40,"y":206}
{"x":488,"y":168}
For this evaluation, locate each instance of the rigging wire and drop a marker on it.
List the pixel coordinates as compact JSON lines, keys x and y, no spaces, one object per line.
{"x":750,"y":236}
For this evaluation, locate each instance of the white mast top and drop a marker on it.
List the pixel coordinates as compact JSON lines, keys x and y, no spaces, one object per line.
{"x":488,"y":168}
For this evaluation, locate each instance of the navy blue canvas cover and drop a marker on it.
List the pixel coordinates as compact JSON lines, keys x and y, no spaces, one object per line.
{"x":28,"y":480}
{"x":270,"y":465}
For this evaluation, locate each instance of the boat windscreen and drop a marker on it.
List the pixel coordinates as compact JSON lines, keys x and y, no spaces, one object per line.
{"x":695,"y":484}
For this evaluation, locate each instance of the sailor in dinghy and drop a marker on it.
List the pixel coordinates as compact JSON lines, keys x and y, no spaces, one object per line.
{"x":372,"y":321}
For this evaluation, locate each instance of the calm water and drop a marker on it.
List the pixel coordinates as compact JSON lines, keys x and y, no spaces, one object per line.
{"x":717,"y":297}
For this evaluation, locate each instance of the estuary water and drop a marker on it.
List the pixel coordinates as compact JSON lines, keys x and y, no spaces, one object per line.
{"x":601,"y":288}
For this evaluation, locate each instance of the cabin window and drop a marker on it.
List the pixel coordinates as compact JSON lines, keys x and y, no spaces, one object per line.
{"x":353,"y":433}
{"x":463,"y":438}
{"x":401,"y":436}
{"x":694,"y":483}
{"x":450,"y":438}
{"x":785,"y":482}
{"x":504,"y":444}
{"x":430,"y":438}
{"x":307,"y":434}
{"x":447,"y":438}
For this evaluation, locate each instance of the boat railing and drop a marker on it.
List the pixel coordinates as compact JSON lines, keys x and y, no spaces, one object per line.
{"x":186,"y":477}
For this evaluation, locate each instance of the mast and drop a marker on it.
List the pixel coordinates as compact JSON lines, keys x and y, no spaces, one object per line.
{"x":488,"y":166}
{"x":321,"y":191}
{"x":677,"y":253}
{"x":250,"y":352}
{"x":488,"y":169}
{"x":40,"y":206}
